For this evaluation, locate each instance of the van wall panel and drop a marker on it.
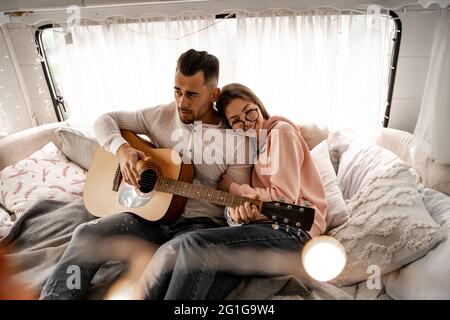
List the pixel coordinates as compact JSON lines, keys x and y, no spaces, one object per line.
{"x":45,"y":111}
{"x":404,"y":115}
{"x":31,"y":68}
{"x":418,"y":31}
{"x":13,"y":110}
{"x":35,"y":82}
{"x":414,"y":58}
{"x":25,"y":47}
{"x":410,"y":77}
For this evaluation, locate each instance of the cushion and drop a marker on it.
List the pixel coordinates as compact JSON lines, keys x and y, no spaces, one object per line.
{"x":312,"y":133}
{"x":433,"y":176}
{"x":76,"y":146}
{"x":46,"y":174}
{"x":361,"y":158}
{"x":337,"y":212}
{"x":338,"y":143}
{"x":428,"y":277}
{"x":388,"y":226}
{"x":5,"y":222}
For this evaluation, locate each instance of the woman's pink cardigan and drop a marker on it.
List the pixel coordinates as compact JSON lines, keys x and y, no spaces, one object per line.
{"x":285,"y":171}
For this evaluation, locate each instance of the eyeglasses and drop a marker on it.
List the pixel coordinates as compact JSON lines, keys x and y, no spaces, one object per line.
{"x":251,"y":116}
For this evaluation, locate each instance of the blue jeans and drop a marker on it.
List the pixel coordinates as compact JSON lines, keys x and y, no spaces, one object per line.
{"x":91,"y":247}
{"x":209,"y":263}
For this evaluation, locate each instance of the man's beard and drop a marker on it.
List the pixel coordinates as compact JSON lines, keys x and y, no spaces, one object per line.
{"x":186,"y":119}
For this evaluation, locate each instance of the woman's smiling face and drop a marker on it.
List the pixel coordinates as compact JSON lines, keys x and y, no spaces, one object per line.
{"x":243,"y":114}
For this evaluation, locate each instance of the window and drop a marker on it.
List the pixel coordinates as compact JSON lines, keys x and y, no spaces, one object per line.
{"x":51,"y":71}
{"x":326,"y":66}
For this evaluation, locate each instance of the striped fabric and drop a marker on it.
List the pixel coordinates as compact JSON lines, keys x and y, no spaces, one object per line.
{"x":165,"y":129}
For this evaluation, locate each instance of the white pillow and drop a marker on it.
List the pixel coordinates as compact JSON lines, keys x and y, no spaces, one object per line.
{"x":338,"y":143}
{"x":428,"y":277}
{"x":46,"y":174}
{"x":5,"y":222}
{"x":361,"y":158}
{"x":388,"y":226}
{"x":337,"y":212}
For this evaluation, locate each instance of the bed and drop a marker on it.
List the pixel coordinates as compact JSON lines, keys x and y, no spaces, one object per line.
{"x":391,"y":214}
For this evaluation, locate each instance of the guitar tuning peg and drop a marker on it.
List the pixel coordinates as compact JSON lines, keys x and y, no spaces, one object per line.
{"x":298,"y":224}
{"x":277,"y":204}
{"x":301,"y":209}
{"x":286,"y":220}
{"x":275,"y":226}
{"x":274,"y":217}
{"x":289,"y":206}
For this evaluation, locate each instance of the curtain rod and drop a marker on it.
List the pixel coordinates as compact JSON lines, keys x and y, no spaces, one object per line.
{"x":172,"y":8}
{"x":83,"y":6}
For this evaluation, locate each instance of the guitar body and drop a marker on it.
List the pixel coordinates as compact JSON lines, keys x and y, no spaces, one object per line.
{"x":101,"y":199}
{"x":164,"y":187}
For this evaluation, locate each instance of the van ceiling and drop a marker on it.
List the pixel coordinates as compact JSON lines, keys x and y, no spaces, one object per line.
{"x":17,"y":5}
{"x":14,"y":5}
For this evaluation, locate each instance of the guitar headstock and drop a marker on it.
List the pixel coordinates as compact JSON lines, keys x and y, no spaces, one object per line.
{"x":296,"y":216}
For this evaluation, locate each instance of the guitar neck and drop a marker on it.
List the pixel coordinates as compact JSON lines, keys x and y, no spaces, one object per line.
{"x":211,"y":195}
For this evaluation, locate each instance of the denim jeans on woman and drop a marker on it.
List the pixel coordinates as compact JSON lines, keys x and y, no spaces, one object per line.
{"x":209,"y":263}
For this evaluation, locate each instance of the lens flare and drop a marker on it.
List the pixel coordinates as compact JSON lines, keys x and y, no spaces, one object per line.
{"x":324,"y":258}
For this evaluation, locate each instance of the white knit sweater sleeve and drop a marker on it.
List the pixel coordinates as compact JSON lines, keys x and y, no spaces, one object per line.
{"x":107,"y":127}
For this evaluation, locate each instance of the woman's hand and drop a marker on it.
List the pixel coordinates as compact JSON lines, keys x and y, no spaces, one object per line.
{"x":246,"y":212}
{"x":225,"y":183}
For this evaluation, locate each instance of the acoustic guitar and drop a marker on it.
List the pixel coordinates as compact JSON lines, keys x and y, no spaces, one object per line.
{"x":165,"y":185}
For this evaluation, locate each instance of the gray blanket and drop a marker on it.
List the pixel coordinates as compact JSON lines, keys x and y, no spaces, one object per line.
{"x":40,"y":236}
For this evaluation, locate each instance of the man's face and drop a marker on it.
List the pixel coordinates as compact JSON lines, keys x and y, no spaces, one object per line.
{"x":193,"y":96}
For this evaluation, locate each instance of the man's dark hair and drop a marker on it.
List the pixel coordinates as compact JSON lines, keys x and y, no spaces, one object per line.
{"x":192,"y":61}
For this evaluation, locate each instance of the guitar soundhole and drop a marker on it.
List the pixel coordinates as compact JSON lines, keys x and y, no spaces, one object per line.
{"x":148,"y":181}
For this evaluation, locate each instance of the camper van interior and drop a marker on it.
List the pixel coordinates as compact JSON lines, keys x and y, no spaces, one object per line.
{"x":365,"y":84}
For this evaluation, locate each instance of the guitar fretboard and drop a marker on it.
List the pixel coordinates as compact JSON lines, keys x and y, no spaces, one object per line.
{"x":188,"y":190}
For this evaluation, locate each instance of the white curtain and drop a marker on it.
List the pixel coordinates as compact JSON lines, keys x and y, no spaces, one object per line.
{"x":324,"y":66}
{"x":432,"y":133}
{"x":123,"y":64}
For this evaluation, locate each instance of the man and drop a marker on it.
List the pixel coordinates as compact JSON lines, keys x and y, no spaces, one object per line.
{"x":195,"y":91}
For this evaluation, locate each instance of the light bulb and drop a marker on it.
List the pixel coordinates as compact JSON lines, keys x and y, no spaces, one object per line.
{"x":324,"y":258}
{"x":121,"y":290}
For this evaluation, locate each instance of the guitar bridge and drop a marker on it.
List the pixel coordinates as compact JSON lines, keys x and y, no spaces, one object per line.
{"x":117,"y":179}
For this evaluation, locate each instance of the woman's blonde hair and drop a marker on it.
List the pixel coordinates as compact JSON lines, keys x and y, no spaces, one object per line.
{"x":234,"y":91}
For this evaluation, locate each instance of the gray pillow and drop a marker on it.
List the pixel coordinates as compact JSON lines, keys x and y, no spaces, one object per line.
{"x":76,"y":146}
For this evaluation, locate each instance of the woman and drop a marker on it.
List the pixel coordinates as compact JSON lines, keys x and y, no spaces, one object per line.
{"x":210,"y":263}
{"x":290,"y":175}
